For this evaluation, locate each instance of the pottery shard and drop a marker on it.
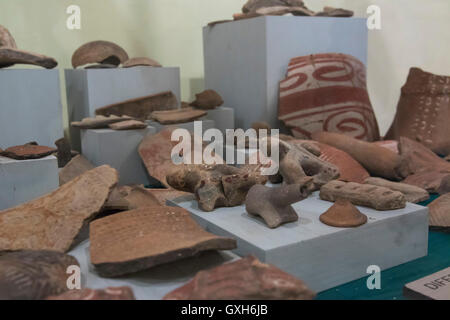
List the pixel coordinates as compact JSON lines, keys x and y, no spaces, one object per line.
{"x":350,"y":170}
{"x":282,"y":10}
{"x":141,"y":61}
{"x":207,"y":100}
{"x":274,"y":204}
{"x":245,"y":279}
{"x":130,"y":197}
{"x":178,"y":116}
{"x":136,"y":240}
{"x":111,"y":293}
{"x":296,"y":162}
{"x":52,"y":222}
{"x":327,"y":92}
{"x":423,"y":110}
{"x":253,"y":5}
{"x":440,"y":212}
{"x":64,"y":153}
{"x":423,"y":168}
{"x":28,"y":151}
{"x":99,"y":122}
{"x":334,"y":12}
{"x":103,"y":52}
{"x":10,"y":57}
{"x":412,"y":193}
{"x":33,"y":275}
{"x":76,"y":167}
{"x":6,"y":39}
{"x":128,"y":125}
{"x":343,"y":214}
{"x":378,"y":198}
{"x":379,"y":161}
{"x":215,"y":185}
{"x":388,"y":144}
{"x":141,"y":108}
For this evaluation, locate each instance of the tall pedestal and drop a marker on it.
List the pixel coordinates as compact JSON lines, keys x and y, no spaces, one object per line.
{"x":90,"y":89}
{"x":245,"y":60}
{"x":30,"y":107}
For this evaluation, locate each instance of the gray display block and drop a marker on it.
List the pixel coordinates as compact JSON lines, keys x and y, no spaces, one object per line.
{"x":30,"y":107}
{"x":155,"y":283}
{"x":223,"y":118}
{"x":119,"y":149}
{"x":245,"y":60}
{"x":25,"y":180}
{"x":323,"y":256}
{"x":88,"y":90}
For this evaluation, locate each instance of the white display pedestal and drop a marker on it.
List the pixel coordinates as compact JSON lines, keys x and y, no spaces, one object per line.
{"x":30,"y":107}
{"x":155,"y":283}
{"x":206,"y":124}
{"x":119,"y":149}
{"x":322,"y":256}
{"x":245,"y":60}
{"x":25,"y":180}
{"x":90,"y":89}
{"x":223,"y":118}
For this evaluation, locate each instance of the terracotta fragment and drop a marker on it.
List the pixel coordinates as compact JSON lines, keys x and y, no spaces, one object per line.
{"x":28,"y":151}
{"x":296,"y":163}
{"x":99,"y":122}
{"x":100,"y":66}
{"x":141,"y":61}
{"x":335,"y":12}
{"x":33,"y":275}
{"x":378,"y":198}
{"x":350,"y":170}
{"x":423,"y":111}
{"x":53,"y":221}
{"x":327,"y":92}
{"x":182,"y":115}
{"x":76,"y":167}
{"x":254,"y":5}
{"x":245,"y":279}
{"x":64,"y":153}
{"x":440,"y":212}
{"x":128,"y":125}
{"x":423,"y":168}
{"x":214,"y":185}
{"x":379,"y":161}
{"x":343,"y":214}
{"x":102,"y":52}
{"x":111,"y":293}
{"x":129,"y":198}
{"x":282,"y":10}
{"x":10,"y":57}
{"x":136,"y":240}
{"x":412,"y":193}
{"x":207,"y":100}
{"x":274,"y":204}
{"x":388,"y":144}
{"x":141,"y":108}
{"x":6,"y":39}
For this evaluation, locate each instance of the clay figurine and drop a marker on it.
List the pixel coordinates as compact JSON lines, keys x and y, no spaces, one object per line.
{"x":274,"y":204}
{"x":378,"y":198}
{"x":244,"y":279}
{"x":140,"y":239}
{"x":99,"y":52}
{"x":343,"y":214}
{"x":314,"y":92}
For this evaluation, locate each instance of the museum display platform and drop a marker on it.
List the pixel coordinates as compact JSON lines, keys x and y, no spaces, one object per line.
{"x":322,"y":256}
{"x":24,"y":180}
{"x":119,"y":149}
{"x":31,"y":108}
{"x":90,"y":89}
{"x":245,"y":60}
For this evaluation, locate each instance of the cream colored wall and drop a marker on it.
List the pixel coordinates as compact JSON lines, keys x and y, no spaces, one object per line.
{"x":414,"y":33}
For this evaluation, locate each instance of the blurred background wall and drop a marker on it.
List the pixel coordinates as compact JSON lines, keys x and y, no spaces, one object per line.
{"x":414,"y":33}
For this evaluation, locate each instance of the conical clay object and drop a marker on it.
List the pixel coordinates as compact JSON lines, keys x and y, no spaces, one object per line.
{"x":343,"y":214}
